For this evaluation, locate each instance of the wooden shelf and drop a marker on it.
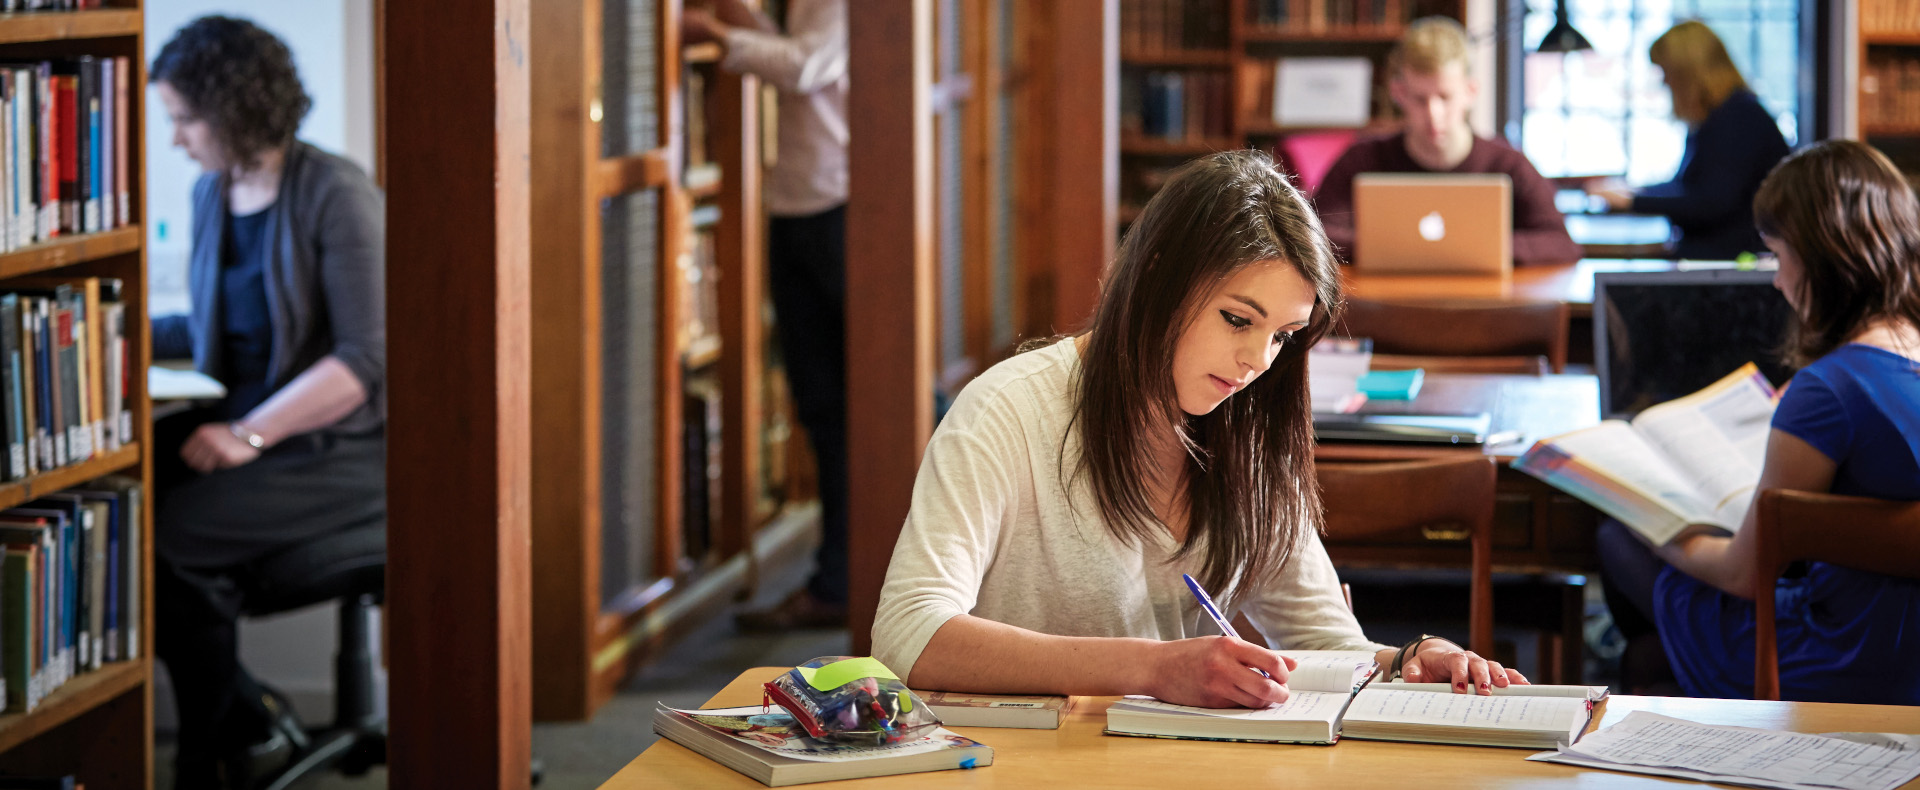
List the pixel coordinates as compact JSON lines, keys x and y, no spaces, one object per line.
{"x":65,"y":25}
{"x":77,"y":696}
{"x":1155,"y":146}
{"x":1892,"y":38}
{"x":701,"y":53}
{"x":1179,"y":57}
{"x":66,"y":477}
{"x":1889,"y":130}
{"x":69,"y":250}
{"x":1332,"y":35}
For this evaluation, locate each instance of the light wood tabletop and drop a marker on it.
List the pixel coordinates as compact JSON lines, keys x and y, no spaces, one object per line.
{"x":1565,"y":282}
{"x":1078,"y":755}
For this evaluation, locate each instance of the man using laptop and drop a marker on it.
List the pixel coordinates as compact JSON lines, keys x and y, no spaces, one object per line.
{"x":1430,"y":79}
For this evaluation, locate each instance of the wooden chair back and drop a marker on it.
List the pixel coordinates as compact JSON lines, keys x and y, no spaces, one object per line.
{"x":1873,"y":535}
{"x":1367,"y":499}
{"x":1462,"y":336}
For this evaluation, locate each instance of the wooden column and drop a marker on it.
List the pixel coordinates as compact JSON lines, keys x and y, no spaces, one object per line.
{"x":890,"y":282}
{"x":458,"y":197}
{"x":739,"y":248}
{"x":1084,"y":151}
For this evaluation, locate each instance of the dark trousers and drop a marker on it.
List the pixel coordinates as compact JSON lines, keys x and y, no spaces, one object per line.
{"x":210,"y":533}
{"x":807,"y":262}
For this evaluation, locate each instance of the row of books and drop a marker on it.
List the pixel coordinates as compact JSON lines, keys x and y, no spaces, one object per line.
{"x":63,"y":148}
{"x":65,"y":373}
{"x":1176,"y":104}
{"x":700,"y":289}
{"x":1890,"y":91}
{"x":1320,"y":14}
{"x":1890,"y":16}
{"x":69,"y":587}
{"x":16,"y":6}
{"x":1153,"y":26}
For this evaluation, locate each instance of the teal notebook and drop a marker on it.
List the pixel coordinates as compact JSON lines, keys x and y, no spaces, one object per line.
{"x":1392,"y":384}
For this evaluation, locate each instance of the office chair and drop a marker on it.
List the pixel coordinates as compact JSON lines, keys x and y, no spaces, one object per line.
{"x":1873,"y":535}
{"x":1462,"y":336}
{"x":348,"y":566}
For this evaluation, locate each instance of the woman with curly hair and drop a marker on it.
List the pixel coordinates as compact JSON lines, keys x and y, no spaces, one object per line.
{"x":286,"y":277}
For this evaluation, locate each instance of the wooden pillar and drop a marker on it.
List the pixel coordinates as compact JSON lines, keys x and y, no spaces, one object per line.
{"x":1084,"y":150}
{"x":458,"y":197}
{"x":890,"y":282}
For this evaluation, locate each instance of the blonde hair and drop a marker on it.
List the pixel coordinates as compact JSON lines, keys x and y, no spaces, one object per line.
{"x":1698,"y":69}
{"x":1429,"y":44}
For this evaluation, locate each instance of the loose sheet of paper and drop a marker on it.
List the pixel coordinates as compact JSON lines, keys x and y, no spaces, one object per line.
{"x":1650,"y":739}
{"x":1504,"y":713}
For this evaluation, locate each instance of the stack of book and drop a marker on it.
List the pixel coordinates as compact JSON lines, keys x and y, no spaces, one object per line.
{"x":1179,"y":105}
{"x":69,"y":587}
{"x":16,"y":6}
{"x":1890,"y":90}
{"x":63,"y":148}
{"x":1154,"y":26}
{"x":65,"y":370}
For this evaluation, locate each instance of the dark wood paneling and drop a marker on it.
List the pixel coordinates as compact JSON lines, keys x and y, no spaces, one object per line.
{"x":890,"y":282}
{"x":458,"y":344}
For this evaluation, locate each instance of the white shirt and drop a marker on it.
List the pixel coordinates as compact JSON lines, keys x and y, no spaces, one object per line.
{"x":808,"y":66}
{"x":994,"y":531}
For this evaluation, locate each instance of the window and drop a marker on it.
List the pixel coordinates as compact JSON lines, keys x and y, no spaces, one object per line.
{"x":1606,"y":112}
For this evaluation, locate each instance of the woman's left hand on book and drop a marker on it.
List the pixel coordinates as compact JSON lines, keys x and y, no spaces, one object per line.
{"x":1440,"y":661}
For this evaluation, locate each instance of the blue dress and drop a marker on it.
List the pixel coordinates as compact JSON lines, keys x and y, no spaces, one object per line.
{"x":1840,"y":631}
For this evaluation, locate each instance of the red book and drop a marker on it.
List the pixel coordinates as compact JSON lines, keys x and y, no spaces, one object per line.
{"x":67,"y":146}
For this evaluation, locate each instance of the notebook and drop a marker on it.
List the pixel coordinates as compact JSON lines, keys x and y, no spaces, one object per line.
{"x":1322,"y":682}
{"x":1451,"y":223}
{"x":769,"y":746}
{"x":1533,"y":717}
{"x":993,"y":710}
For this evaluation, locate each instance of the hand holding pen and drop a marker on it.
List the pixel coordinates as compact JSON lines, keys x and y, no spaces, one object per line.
{"x":1212,"y":671}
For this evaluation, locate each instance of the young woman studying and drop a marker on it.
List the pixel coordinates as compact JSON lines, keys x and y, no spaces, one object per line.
{"x":1846,"y":228}
{"x":1071,"y":486}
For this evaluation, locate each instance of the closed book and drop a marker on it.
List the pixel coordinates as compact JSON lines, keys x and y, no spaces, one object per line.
{"x":122,"y":75}
{"x":18,"y":588}
{"x":109,"y":516}
{"x":13,"y":427}
{"x":66,"y":148}
{"x":49,"y":153}
{"x":29,"y":407}
{"x":88,"y":138}
{"x":777,"y":753}
{"x":109,"y":194}
{"x":992,"y":710}
{"x":128,"y":492}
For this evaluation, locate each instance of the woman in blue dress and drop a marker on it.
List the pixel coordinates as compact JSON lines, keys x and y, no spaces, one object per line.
{"x":1846,"y":228}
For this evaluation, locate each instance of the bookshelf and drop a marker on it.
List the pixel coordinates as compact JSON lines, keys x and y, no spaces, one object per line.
{"x":1889,"y":97}
{"x":1197,"y":75}
{"x":97,"y":725}
{"x":666,"y":477}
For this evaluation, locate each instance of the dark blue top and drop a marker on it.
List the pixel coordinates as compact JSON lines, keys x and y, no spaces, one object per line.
{"x":1710,"y":199}
{"x":1838,"y":629}
{"x":246,"y":328}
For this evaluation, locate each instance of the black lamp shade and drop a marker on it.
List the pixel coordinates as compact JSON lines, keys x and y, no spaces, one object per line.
{"x":1562,"y":37}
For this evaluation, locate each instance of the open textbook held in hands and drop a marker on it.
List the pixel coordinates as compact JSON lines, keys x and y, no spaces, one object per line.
{"x":1334,"y":694}
{"x":1695,"y":460}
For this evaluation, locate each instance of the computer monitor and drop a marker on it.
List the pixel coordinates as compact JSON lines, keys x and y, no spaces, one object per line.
{"x":1663,"y":335}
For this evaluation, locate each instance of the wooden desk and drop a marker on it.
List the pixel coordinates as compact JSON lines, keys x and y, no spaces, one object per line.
{"x":1566,"y":282}
{"x":1077,"y":755}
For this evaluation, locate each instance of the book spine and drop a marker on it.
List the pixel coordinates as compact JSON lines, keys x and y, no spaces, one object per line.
{"x":49,"y":374}
{"x":29,"y":373}
{"x":72,"y":408}
{"x":116,"y":575}
{"x":97,"y":581}
{"x":122,"y":72}
{"x":67,"y":120}
{"x":28,"y":215}
{"x":83,"y":534}
{"x":16,"y":451}
{"x":134,"y":497}
{"x":89,"y":144}
{"x":93,"y":371}
{"x":16,"y":623}
{"x":109,"y":197}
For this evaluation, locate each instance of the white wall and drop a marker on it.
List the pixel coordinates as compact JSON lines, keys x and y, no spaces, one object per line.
{"x":332,"y":43}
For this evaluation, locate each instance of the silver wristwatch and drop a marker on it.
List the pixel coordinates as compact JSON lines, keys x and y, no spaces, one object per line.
{"x":243,"y":434}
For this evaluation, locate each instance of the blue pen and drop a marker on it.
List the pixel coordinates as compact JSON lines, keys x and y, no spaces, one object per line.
{"x":1206,"y":602}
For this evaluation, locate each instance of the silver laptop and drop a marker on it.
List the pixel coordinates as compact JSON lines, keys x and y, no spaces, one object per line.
{"x":1433,"y":223}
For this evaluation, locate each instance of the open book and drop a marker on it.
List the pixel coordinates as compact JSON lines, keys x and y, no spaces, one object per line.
{"x":1695,"y":460}
{"x":771,"y":747}
{"x":1323,"y":708}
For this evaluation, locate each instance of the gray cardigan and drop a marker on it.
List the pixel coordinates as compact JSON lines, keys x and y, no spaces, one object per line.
{"x":325,"y":279}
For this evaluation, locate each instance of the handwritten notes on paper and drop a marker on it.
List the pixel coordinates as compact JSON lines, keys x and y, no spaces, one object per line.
{"x":1650,"y":743}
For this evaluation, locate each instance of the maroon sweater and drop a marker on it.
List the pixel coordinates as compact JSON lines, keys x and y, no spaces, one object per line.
{"x":1539,"y":231}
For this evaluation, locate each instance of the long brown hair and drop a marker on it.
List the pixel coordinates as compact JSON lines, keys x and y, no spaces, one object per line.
{"x":1699,"y":72}
{"x":1249,"y":480}
{"x":1852,"y":220}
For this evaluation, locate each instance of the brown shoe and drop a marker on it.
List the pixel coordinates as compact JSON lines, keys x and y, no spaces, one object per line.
{"x":799,"y":610}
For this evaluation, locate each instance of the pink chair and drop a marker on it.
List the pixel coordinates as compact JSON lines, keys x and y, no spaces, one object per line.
{"x":1311,"y":154}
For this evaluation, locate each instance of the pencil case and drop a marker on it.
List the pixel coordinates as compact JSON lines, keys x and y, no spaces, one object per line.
{"x":848,"y":700}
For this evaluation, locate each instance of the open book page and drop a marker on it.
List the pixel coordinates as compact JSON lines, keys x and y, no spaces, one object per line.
{"x":1649,"y":739}
{"x":1302,"y":705}
{"x":1339,"y":671}
{"x":1594,"y":693}
{"x":1384,"y":704}
{"x":1717,"y":437}
{"x":1612,"y":467}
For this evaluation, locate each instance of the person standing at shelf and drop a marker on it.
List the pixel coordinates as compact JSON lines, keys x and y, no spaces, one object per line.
{"x":806,"y":194}
{"x":1430,"y":79}
{"x":1732,"y":143}
{"x":287,"y":280}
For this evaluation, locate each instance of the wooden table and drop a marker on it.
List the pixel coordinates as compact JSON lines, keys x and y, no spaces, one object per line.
{"x":1077,"y":755}
{"x":1534,"y":407}
{"x":1565,"y":282}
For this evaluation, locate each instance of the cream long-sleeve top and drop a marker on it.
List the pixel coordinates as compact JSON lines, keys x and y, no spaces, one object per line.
{"x":1001,"y":528}
{"x":809,"y":67}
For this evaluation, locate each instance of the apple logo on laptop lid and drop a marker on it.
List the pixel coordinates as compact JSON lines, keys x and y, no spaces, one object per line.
{"x":1432,"y":227}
